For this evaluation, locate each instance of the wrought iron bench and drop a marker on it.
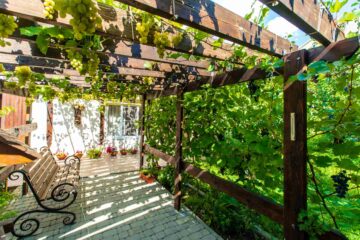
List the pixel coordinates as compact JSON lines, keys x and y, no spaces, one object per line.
{"x":54,"y":187}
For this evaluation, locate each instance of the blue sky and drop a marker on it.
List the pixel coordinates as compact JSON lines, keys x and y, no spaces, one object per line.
{"x":273,"y":21}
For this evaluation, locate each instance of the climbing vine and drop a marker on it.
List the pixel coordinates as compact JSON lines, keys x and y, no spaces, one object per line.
{"x":235,"y":131}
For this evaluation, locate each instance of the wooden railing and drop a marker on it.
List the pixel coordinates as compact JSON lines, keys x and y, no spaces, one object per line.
{"x":250,"y":199}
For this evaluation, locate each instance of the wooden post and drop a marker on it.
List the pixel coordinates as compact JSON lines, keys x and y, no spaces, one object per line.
{"x":142,"y":130}
{"x":49,"y":123}
{"x":102,"y":124}
{"x":178,"y":149}
{"x":295,"y":145}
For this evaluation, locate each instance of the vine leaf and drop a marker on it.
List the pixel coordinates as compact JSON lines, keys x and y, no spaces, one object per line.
{"x":43,"y":41}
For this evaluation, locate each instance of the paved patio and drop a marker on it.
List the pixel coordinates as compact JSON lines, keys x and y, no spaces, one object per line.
{"x":107,"y":165}
{"x":119,"y":206}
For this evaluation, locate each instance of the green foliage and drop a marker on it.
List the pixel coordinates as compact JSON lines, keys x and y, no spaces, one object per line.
{"x":5,"y":110}
{"x":311,"y":224}
{"x":5,"y":199}
{"x":235,"y":132}
{"x":94,"y":153}
{"x":7,"y":28}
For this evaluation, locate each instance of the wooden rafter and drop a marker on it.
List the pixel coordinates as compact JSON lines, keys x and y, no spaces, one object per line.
{"x":309,"y":16}
{"x":115,"y":24}
{"x":216,"y":20}
{"x":335,"y":51}
{"x":30,"y":53}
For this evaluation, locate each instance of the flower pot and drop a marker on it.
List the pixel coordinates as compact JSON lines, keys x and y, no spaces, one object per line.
{"x":113,"y":154}
{"x":134,"y":151}
{"x":78,"y":155}
{"x":123,"y":152}
{"x":61,"y":156}
{"x":147,"y":179}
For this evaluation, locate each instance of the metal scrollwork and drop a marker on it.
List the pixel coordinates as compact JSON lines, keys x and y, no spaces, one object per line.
{"x":65,"y":193}
{"x":71,"y":160}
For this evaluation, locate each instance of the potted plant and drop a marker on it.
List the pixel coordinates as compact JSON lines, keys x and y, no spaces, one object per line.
{"x":94,"y":153}
{"x":148,"y":174}
{"x":61,"y":155}
{"x":133,"y":151}
{"x":123,"y":151}
{"x":79,"y":154}
{"x":111,"y":151}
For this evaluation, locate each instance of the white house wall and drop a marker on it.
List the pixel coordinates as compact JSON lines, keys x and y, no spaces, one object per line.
{"x":39,"y":116}
{"x":68,"y":137}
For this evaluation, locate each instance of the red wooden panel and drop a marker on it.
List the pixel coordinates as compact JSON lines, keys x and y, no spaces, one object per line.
{"x":18,"y":116}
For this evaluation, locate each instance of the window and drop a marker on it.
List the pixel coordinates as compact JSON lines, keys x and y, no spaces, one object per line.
{"x":121,"y":121}
{"x":129,"y":117}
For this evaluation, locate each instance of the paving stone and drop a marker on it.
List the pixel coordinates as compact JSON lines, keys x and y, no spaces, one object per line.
{"x":120,"y":206}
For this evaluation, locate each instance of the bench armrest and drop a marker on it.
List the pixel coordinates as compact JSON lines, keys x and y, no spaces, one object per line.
{"x":70,"y":160}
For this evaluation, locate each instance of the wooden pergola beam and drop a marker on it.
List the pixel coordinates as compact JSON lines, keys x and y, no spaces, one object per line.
{"x":309,"y":16}
{"x":212,"y":18}
{"x":29,"y":53}
{"x":335,"y":51}
{"x":11,"y":61}
{"x":114,"y":25}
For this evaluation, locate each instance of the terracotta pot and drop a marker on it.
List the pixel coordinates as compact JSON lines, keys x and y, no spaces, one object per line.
{"x":113,"y":154}
{"x":147,"y":179}
{"x":79,"y":155}
{"x":123,"y":153}
{"x":134,"y":151}
{"x":61,"y":157}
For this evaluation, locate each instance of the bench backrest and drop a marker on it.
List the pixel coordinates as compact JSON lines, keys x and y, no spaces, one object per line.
{"x":43,"y":172}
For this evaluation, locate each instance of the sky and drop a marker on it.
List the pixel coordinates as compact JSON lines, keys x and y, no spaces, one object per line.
{"x":273,"y":21}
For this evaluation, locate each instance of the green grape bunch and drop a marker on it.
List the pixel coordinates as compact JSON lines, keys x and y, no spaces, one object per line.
{"x":161,"y":41}
{"x":7,"y":28}
{"x":144,"y":27}
{"x":85,"y":15}
{"x":49,"y":10}
{"x":176,"y":39}
{"x":76,"y":59}
{"x":23,"y":74}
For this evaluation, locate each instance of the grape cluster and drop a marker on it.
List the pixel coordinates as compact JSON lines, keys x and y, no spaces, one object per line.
{"x":161,"y":40}
{"x":341,"y":183}
{"x":176,"y":40}
{"x":85,"y":15}
{"x":49,"y":10}
{"x":148,"y":80}
{"x":143,"y":28}
{"x":23,"y":74}
{"x":7,"y":28}
{"x":76,"y":59}
{"x":84,"y":61}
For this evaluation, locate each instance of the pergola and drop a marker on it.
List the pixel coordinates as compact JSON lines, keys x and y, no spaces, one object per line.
{"x":126,"y":58}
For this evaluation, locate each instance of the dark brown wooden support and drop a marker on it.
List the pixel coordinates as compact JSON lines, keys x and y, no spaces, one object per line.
{"x":295,"y":145}
{"x":142,"y":130}
{"x":49,"y":123}
{"x":178,"y":149}
{"x":102,"y":128}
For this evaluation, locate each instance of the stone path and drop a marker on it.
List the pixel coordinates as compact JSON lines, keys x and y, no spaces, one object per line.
{"x":106,"y":165}
{"x":121,"y":206}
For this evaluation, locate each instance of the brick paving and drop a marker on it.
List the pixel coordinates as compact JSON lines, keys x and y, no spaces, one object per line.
{"x":120,"y":206}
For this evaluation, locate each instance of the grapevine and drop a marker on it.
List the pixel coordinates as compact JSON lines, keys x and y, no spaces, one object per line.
{"x":23,"y":74}
{"x":85,"y":15}
{"x":84,"y":60}
{"x":7,"y":28}
{"x":148,"y":80}
{"x":161,"y":40}
{"x":144,"y":27}
{"x":176,"y":39}
{"x":49,"y":10}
